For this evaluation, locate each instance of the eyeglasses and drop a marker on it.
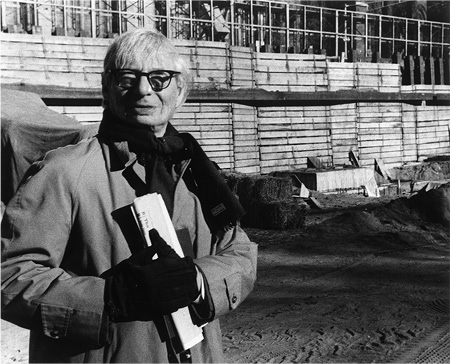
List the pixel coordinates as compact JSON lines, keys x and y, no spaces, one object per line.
{"x":158,"y":80}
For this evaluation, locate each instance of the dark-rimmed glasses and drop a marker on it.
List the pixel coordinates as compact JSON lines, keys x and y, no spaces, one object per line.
{"x":158,"y":80}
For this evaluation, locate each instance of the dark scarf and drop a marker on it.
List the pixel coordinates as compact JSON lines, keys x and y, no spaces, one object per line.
{"x":220,"y":206}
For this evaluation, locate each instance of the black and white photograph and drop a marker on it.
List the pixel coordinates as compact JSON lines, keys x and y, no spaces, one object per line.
{"x":242,"y":181}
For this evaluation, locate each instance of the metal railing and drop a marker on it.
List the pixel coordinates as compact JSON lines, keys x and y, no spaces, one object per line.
{"x":266,"y":25}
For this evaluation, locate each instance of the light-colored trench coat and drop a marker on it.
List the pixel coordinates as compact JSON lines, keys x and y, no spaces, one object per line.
{"x":64,"y":228}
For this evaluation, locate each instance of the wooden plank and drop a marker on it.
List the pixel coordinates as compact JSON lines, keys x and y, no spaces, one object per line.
{"x":22,"y":63}
{"x":96,"y":55}
{"x":52,"y":67}
{"x":300,"y":127}
{"x":286,"y":79}
{"x":374,"y":137}
{"x":293,"y":134}
{"x":207,"y":128}
{"x":409,"y":62}
{"x":439,"y":71}
{"x":77,"y":109}
{"x":184,"y":43}
{"x":291,"y":57}
{"x":294,"y":88}
{"x":81,"y":80}
{"x":33,"y":38}
{"x":420,"y":64}
{"x":208,"y":115}
{"x":380,"y":143}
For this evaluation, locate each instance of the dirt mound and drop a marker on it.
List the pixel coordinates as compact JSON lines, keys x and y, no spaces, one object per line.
{"x":407,"y":213}
{"x":426,"y":171}
{"x":431,"y":206}
{"x":402,"y":223}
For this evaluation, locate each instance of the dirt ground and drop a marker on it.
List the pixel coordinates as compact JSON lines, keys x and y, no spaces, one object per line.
{"x":366,"y":281}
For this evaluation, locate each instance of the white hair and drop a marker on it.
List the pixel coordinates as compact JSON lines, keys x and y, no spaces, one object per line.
{"x":142,"y":44}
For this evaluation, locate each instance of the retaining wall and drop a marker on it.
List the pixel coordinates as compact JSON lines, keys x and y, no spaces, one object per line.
{"x":258,"y":139}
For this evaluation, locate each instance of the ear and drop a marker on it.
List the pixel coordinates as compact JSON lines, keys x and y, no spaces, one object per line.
{"x":105,"y":90}
{"x":105,"y":95}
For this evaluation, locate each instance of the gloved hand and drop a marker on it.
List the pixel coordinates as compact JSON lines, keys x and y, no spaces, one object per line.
{"x":140,"y":288}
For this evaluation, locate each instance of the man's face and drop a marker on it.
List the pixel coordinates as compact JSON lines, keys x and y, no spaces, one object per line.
{"x":141,"y":106}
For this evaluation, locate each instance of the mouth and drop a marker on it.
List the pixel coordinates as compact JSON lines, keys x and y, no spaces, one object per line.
{"x":140,"y":110}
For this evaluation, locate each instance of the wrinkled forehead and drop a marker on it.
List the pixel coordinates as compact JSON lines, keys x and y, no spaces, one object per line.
{"x":149,"y":60}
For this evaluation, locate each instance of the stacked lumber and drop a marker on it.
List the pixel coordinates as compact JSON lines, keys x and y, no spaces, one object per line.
{"x":433,"y":127}
{"x":208,"y":62}
{"x":289,"y":135}
{"x":245,"y":139}
{"x":291,"y":72}
{"x":83,"y":114}
{"x":211,"y":125}
{"x":344,"y":132}
{"x":263,"y":139}
{"x":59,"y":61}
{"x":437,"y":89}
{"x":409,"y":130}
{"x":341,"y":76}
{"x":380,"y":133}
{"x":426,"y":131}
{"x":242,"y":66}
{"x":383,"y":77}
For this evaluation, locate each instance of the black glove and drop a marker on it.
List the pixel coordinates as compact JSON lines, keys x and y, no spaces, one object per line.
{"x":140,"y":288}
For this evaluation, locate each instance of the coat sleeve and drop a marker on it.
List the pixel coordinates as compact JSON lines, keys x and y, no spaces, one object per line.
{"x":231,"y":272}
{"x":36,"y":292}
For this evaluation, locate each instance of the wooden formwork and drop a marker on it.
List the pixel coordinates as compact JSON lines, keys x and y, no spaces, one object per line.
{"x":258,"y":139}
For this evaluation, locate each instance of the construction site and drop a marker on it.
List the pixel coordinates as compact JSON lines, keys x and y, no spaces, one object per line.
{"x":331,"y":122}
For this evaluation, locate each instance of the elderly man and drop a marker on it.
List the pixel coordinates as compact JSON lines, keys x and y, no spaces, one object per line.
{"x":74,"y":270}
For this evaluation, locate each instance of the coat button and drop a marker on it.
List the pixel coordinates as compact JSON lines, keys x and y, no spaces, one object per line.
{"x":234,"y":299}
{"x":56,"y":334}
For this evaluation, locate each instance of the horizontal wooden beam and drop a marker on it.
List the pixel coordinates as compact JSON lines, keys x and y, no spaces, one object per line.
{"x":59,"y":96}
{"x":260,"y":97}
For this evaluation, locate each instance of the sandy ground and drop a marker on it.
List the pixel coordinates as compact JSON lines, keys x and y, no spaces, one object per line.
{"x":366,"y":281}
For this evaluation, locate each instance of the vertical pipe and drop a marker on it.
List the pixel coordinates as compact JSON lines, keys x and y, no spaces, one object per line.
{"x":232,"y":22}
{"x":211,"y":15}
{"x":3,"y":4}
{"x":419,"y":36}
{"x":393,"y":36}
{"x":351,"y":30}
{"x":64,"y":24}
{"x":345,"y":32}
{"x":380,"y":32}
{"x":431,"y":40}
{"x":287,"y":27}
{"x":336,"y":29}
{"x":305,"y":33}
{"x":191,"y":20}
{"x":252,"y":41}
{"x":320,"y":29}
{"x":406,"y":39}
{"x":35,"y":14}
{"x":93,"y":20}
{"x":366,"y":27}
{"x":168,"y":25}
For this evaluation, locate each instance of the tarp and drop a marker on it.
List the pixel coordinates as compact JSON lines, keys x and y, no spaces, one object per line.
{"x":30,"y":129}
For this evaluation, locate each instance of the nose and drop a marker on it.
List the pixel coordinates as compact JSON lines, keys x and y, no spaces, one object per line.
{"x":143,"y":86}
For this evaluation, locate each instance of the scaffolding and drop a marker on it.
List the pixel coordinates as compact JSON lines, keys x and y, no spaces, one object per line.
{"x":265,"y":25}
